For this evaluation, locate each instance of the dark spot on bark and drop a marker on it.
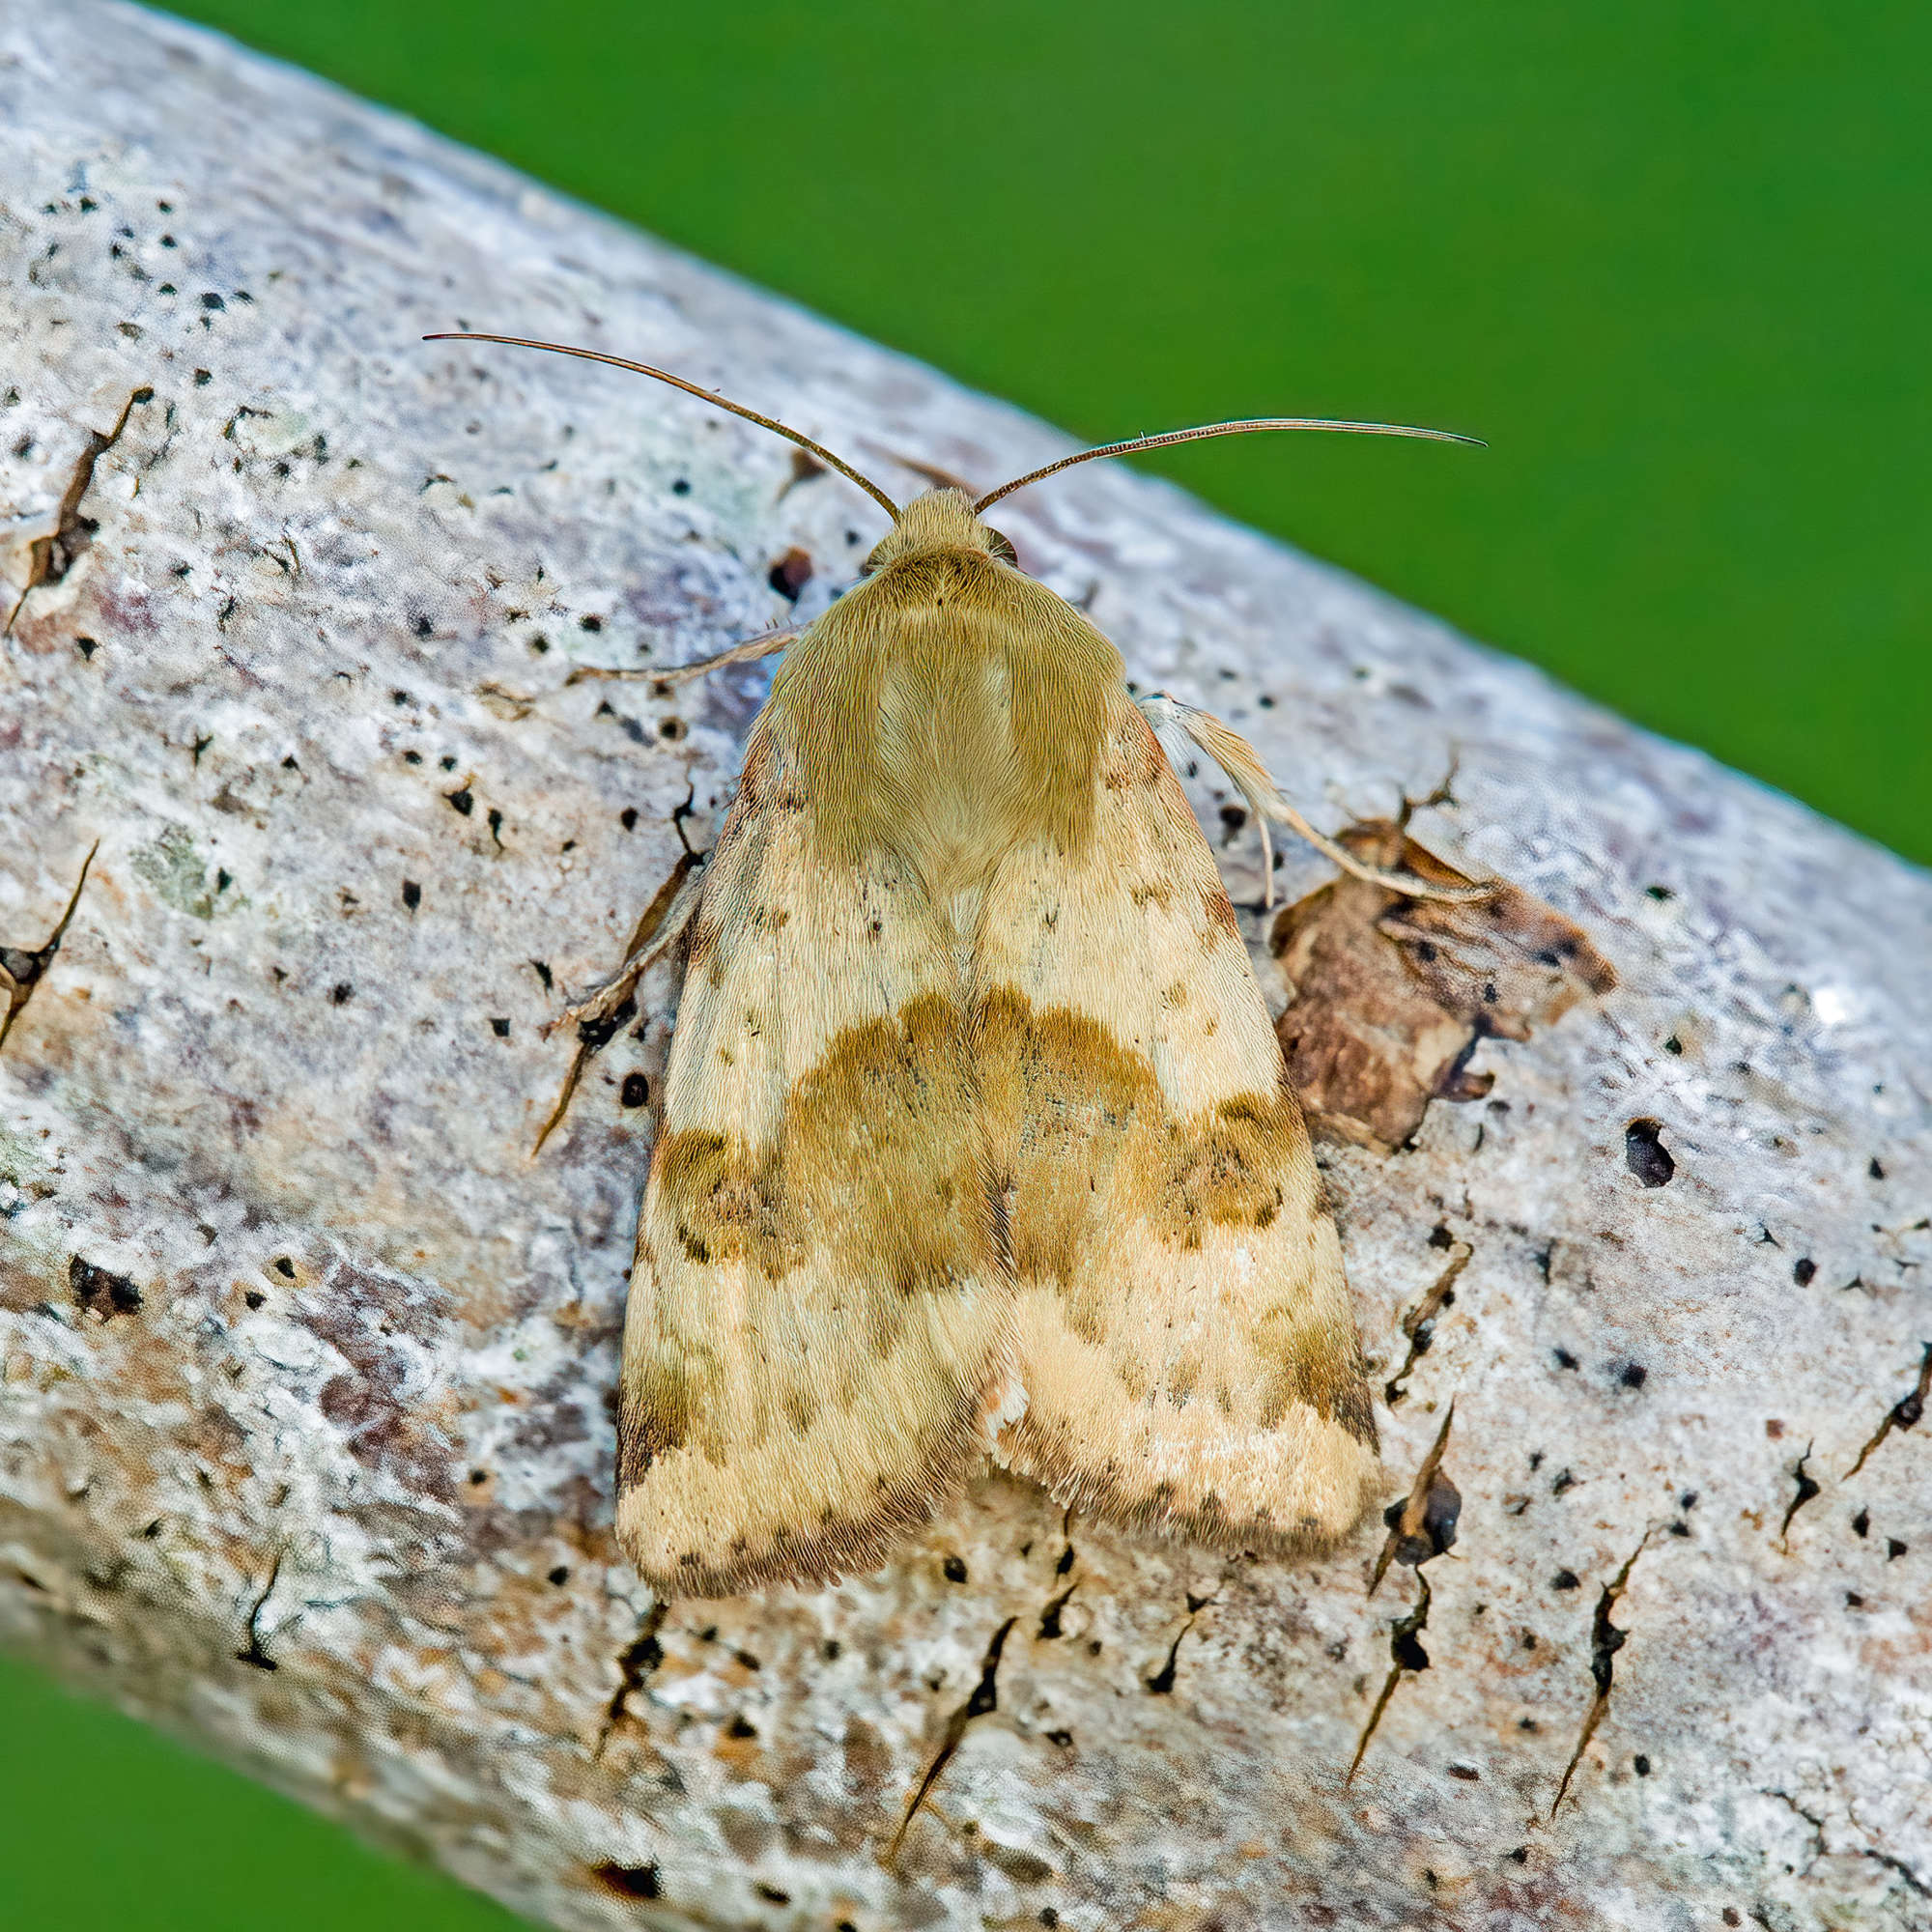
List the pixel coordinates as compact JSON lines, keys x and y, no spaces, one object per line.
{"x":635,"y":1090}
{"x":561,"y":1575}
{"x":628,"y":818}
{"x":681,"y":488}
{"x":791,"y":574}
{"x":1893,"y":1549}
{"x":773,"y":1894}
{"x":1640,"y":1765}
{"x":1632,"y":1374}
{"x":501,"y":1026}
{"x":342,"y":992}
{"x":284,"y":1267}
{"x":954,"y":1570}
{"x":1565,"y":1579}
{"x":591,"y":622}
{"x":1437,"y":1527}
{"x":1563,"y":1482}
{"x":100,"y":1291}
{"x":86,"y":646}
{"x":1467,"y":1773}
{"x":1804,"y":1272}
{"x":1565,"y":1359}
{"x":738,"y":1727}
{"x":1877,"y":1168}
{"x":412,"y":894}
{"x":1645,"y":1154}
{"x":627,"y":1880}
{"x":462,"y":799}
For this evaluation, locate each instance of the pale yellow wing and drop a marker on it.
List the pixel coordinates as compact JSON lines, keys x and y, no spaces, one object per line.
{"x":818,"y":1321}
{"x":1184,"y":1335}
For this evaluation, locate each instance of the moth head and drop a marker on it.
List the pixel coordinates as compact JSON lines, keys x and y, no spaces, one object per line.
{"x":940,"y":519}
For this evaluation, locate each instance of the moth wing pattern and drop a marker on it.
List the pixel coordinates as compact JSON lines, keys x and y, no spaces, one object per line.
{"x":1184,"y":1330}
{"x":818,"y":1320}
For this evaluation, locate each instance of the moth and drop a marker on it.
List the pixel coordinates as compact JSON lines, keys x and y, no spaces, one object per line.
{"x":976,"y":1136}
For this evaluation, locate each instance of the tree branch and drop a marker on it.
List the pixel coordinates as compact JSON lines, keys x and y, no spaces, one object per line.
{"x":326,"y":1485}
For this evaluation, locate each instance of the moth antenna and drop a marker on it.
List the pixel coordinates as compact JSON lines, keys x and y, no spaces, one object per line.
{"x":817,"y":450}
{"x":1248,"y":427}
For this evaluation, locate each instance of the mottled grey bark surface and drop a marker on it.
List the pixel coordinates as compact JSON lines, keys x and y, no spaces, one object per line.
{"x":305,"y":1434}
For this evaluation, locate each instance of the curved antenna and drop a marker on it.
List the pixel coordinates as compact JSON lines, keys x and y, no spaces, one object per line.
{"x":1206,"y":429}
{"x":817,"y":450}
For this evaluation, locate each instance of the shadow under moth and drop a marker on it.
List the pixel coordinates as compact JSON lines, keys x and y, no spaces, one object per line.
{"x":976,"y":1134}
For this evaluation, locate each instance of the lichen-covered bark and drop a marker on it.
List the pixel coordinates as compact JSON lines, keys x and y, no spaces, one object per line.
{"x":305,"y":1435}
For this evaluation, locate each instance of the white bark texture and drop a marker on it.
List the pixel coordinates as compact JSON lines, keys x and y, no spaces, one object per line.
{"x":305,"y":1425}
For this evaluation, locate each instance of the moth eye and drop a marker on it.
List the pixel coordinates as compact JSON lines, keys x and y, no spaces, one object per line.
{"x":1003,"y":549}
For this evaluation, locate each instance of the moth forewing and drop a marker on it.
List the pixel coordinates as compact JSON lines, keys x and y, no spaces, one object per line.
{"x":1184,"y":1334}
{"x":819,"y":1317}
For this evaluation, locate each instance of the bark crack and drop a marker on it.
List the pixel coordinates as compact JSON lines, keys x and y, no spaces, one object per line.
{"x":1419,"y":1324}
{"x":1904,"y":1413}
{"x":1605,"y":1641}
{"x":23,"y":968}
{"x":1407,"y":1656}
{"x":1161,"y":1683}
{"x":51,"y":557}
{"x":1807,"y":1488}
{"x":1423,"y":1524}
{"x":252,"y":1652}
{"x":985,"y":1699}
{"x":635,"y":1663}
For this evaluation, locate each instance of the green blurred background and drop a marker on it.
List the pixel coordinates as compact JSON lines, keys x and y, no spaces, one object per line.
{"x":1672,"y":259}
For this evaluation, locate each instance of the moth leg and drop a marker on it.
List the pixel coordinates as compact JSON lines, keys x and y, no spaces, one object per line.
{"x":669,"y":912}
{"x":767,"y":643}
{"x":1250,"y":779}
{"x":653,"y":938}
